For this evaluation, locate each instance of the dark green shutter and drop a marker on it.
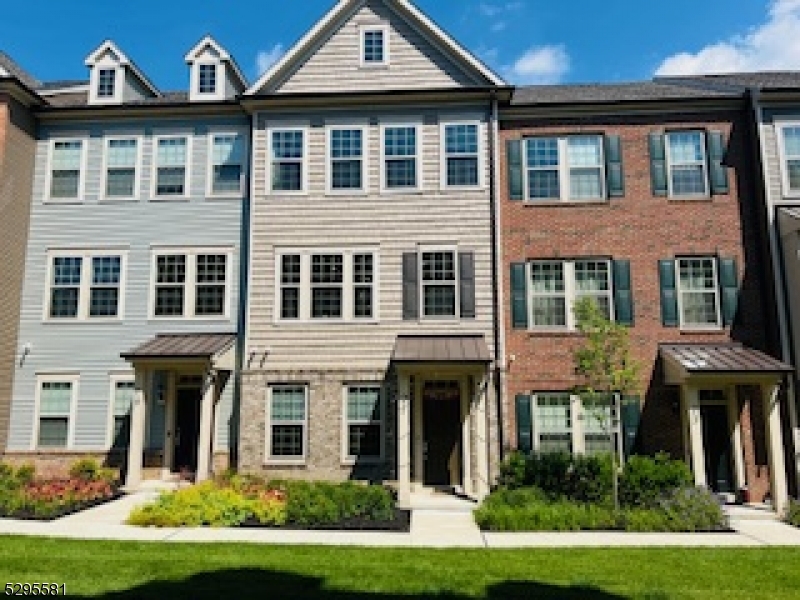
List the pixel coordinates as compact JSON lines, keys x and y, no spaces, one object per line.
{"x":718,"y":173}
{"x":524,"y":424}
{"x":669,"y":293}
{"x":466,"y":280}
{"x":729,"y":288}
{"x":614,"y":173}
{"x":658,"y":165}
{"x":514,"y":151}
{"x":519,"y":296}
{"x":623,"y":299}
{"x":631,"y":416}
{"x":410,"y":286}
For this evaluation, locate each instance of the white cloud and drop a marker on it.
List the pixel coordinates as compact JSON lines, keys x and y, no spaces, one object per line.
{"x":773,"y":45}
{"x":539,"y":65}
{"x":267,"y":58}
{"x":498,"y":13}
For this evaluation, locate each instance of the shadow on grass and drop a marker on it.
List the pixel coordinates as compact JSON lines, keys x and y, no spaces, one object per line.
{"x":257,"y":583}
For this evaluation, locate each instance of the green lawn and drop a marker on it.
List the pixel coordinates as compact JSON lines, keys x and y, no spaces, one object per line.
{"x":126,"y":570}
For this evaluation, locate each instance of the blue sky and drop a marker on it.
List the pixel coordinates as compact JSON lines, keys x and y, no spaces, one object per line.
{"x":526,"y":41}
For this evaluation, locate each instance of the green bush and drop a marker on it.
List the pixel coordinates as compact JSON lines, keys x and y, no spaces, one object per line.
{"x":86,"y":469}
{"x":202,"y":504}
{"x":25,"y":474}
{"x":793,"y":514}
{"x":538,"y":516}
{"x":683,"y":509}
{"x":645,"y":480}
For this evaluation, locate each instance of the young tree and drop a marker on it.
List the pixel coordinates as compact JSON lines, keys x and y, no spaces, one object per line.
{"x":608,"y":372}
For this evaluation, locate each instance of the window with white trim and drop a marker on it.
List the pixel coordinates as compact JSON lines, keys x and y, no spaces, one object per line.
{"x":555,"y":286}
{"x":570,"y":168}
{"x":363,"y":423}
{"x":207,"y":78}
{"x":346,"y":152}
{"x":686,"y":163}
{"x":227,"y":159}
{"x":400,"y":157}
{"x":461,"y":159}
{"x":287,"y":424}
{"x":287,"y":155}
{"x":66,"y":169}
{"x":122,"y":160}
{"x":565,"y":422}
{"x":190,"y":284}
{"x":553,"y":419}
{"x":83,"y":286}
{"x":326,"y":285}
{"x":56,"y":401}
{"x":106,"y":83}
{"x":374,"y":51}
{"x":171,"y":166}
{"x":790,"y":154}
{"x":123,"y":394}
{"x":698,"y":291}
{"x":439,"y":283}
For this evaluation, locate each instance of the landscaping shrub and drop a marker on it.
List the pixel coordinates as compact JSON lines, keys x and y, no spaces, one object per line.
{"x":545,"y":516}
{"x":85,"y":468}
{"x":684,"y":509}
{"x":645,"y":480}
{"x":793,"y":514}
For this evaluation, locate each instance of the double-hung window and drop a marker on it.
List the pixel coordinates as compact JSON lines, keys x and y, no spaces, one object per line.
{"x":568,"y":423}
{"x":790,"y":149}
{"x":227,"y":159}
{"x":374,"y":49}
{"x":287,"y":408}
{"x":400,"y":157}
{"x":335,"y":285}
{"x":122,"y":161}
{"x":85,"y":286}
{"x":106,"y":83}
{"x":553,"y":418}
{"x":461,"y":154}
{"x":439,"y":283}
{"x":207,"y":78}
{"x":66,"y":169}
{"x":191,"y":283}
{"x":287,"y":154}
{"x":698,"y":292}
{"x":123,"y":391}
{"x":172,"y":159}
{"x":364,"y":423}
{"x":686,"y":160}
{"x":346,"y":151}
{"x":569,"y":169}
{"x":56,"y":403}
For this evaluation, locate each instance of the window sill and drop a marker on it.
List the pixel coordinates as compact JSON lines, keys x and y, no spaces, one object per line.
{"x":702,"y":330}
{"x":566,"y":203}
{"x":346,"y":193}
{"x":689,"y":199}
{"x":325,"y":322}
{"x":463,"y":188}
{"x":225,"y":197}
{"x":400,"y":191}
{"x":77,"y":321}
{"x":558,"y":333}
{"x":272,"y":462}
{"x":118,"y":200}
{"x":202,"y":319}
{"x":65,"y":201}
{"x":170,"y":199}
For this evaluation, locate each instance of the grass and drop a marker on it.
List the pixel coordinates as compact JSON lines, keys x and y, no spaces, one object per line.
{"x":129,"y":570}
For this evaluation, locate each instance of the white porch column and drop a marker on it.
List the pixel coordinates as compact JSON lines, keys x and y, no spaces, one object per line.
{"x":777,"y":465}
{"x":734,"y":418}
{"x":206,"y":426}
{"x":482,"y":487}
{"x":403,"y":442}
{"x":136,"y":444}
{"x":468,"y":393}
{"x":169,"y":425}
{"x":695,"y":426}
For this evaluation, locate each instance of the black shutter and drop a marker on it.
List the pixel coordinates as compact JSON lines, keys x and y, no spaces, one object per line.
{"x":631,"y":416}
{"x":669,"y":293}
{"x":514,"y":155}
{"x":658,"y":164}
{"x":623,"y":298}
{"x":524,"y":424}
{"x":519,"y":296}
{"x":466,"y":281}
{"x":410,"y":286}
{"x":729,"y":288}
{"x":614,"y":174}
{"x":718,"y":173}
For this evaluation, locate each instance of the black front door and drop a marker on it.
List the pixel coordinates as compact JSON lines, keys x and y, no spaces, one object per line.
{"x":441,"y":424}
{"x":187,"y":429}
{"x":717,"y":446}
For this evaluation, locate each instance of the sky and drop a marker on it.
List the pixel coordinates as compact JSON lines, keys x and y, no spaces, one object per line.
{"x":524,"y":41}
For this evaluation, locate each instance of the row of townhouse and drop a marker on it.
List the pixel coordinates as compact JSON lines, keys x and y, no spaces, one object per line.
{"x":363,"y":264}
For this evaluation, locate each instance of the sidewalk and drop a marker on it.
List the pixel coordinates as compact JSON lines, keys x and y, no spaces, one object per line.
{"x":435,"y":523}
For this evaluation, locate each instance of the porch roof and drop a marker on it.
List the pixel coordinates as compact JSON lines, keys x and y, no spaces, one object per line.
{"x":184,"y":346}
{"x":685,"y":360}
{"x":441,"y":348}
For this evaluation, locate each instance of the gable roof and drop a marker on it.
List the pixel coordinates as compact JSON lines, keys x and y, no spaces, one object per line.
{"x":9,"y":68}
{"x":346,"y":8}
{"x":109,"y":46}
{"x":223,"y":54}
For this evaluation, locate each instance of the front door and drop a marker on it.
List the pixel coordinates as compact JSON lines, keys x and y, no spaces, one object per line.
{"x":717,"y":446}
{"x":441,"y":424}
{"x":187,"y":428}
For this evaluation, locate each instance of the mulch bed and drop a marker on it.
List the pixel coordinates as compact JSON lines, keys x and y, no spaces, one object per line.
{"x":27,"y":515}
{"x":401,"y":523}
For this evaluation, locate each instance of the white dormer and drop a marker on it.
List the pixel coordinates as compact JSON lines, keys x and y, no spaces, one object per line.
{"x":214,"y":75}
{"x":114,"y":79}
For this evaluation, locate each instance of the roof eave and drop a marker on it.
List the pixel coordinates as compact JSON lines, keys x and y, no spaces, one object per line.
{"x":165,"y":109}
{"x":15,"y":88}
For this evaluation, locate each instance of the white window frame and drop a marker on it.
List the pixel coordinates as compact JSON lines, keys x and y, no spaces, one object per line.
{"x":289,"y":460}
{"x":781,"y":126}
{"x":363,"y":30}
{"x":137,"y":168}
{"x":84,"y":140}
{"x":187,"y":174}
{"x":114,"y":379}
{"x":564,"y":169}
{"x":717,"y":294}
{"x":67,"y":377}
{"x":570,"y":292}
{"x":417,"y":125}
{"x":329,"y":159}
{"x":190,"y":283}
{"x":456,"y":283}
{"x":212,"y":135}
{"x":304,"y":161}
{"x":108,"y":64}
{"x":86,"y":284}
{"x":481,"y":183}
{"x":219,"y":82}
{"x":578,"y":419}
{"x":348,"y":285}
{"x":704,"y":143}
{"x":347,"y":458}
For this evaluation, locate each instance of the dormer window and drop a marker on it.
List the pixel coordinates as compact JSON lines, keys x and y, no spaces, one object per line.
{"x":213,"y":75}
{"x":207,"y":79}
{"x":106,"y":83}
{"x":114,"y":79}
{"x":374,"y":46}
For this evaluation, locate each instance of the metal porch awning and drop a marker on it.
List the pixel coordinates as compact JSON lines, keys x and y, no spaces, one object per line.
{"x":682,"y":361}
{"x":217,"y":348}
{"x":441,"y":348}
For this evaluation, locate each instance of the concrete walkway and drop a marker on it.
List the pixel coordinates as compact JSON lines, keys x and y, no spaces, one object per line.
{"x":437,"y":522}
